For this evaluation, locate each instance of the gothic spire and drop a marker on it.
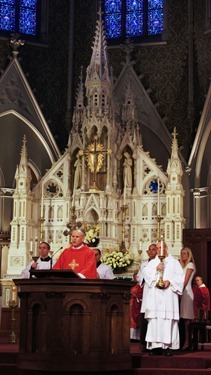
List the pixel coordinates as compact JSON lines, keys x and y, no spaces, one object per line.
{"x":129,"y":111}
{"x":23,"y":160}
{"x":23,"y":175}
{"x":174,"y":145}
{"x":174,"y":220}
{"x":78,"y":110}
{"x":174,"y":164}
{"x":98,"y":68}
{"x":98,"y":83}
{"x":80,"y":92}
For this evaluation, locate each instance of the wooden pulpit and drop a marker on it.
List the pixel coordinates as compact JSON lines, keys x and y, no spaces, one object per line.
{"x":73,"y":324}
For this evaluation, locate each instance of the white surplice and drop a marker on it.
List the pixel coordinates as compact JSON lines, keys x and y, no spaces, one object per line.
{"x":162,"y":305}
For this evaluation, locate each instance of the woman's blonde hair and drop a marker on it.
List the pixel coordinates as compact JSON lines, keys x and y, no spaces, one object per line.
{"x":190,"y":257}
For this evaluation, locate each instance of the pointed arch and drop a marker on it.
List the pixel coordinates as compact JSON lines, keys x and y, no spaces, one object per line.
{"x":60,"y":213}
{"x":91,"y":216}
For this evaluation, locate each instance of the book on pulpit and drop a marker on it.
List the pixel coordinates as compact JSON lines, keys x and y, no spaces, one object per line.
{"x":62,"y":274}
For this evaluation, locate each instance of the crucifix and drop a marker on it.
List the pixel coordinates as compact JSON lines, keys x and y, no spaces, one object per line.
{"x":95,"y":158}
{"x":74,"y":224}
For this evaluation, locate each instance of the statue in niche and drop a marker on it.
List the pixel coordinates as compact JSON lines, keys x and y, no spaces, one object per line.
{"x":78,"y":171}
{"x":128,"y":162}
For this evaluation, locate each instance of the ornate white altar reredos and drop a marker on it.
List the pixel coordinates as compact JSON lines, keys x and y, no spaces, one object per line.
{"x":107,"y":174}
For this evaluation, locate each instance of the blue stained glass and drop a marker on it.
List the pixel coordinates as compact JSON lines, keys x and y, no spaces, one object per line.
{"x":19,"y":16}
{"x":113,"y":26}
{"x":155,"y":22}
{"x":134,"y":5}
{"x":137,"y":18}
{"x":28,"y":3}
{"x":113,"y":6}
{"x":153,"y":185}
{"x":9,"y":2}
{"x":7,"y":18}
{"x":134,"y":24}
{"x":27,"y":21}
{"x":155,"y":4}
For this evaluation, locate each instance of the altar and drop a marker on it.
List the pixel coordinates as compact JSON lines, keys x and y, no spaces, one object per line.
{"x":73,"y":324}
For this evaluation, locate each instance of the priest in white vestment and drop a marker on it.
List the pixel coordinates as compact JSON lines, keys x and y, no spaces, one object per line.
{"x":162,"y":305}
{"x":44,"y":261}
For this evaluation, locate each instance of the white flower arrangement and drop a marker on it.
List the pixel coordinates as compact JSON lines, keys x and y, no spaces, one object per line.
{"x":117,"y":260}
{"x":92,"y":235}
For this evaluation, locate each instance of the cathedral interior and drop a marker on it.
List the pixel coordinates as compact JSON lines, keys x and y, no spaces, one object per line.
{"x":108,"y":132}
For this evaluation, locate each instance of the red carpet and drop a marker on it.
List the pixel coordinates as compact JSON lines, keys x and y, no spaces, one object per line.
{"x":198,"y":362}
{"x":194,"y":363}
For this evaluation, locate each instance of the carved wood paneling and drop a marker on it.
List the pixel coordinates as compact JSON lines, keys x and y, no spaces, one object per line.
{"x":199,"y":241}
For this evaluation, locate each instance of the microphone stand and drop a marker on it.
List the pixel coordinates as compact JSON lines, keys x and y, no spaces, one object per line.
{"x":55,"y":254}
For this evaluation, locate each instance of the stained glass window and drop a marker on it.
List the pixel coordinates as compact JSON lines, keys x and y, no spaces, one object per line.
{"x":113,"y":18}
{"x":153,"y":185}
{"x":19,"y":16}
{"x":133,"y":18}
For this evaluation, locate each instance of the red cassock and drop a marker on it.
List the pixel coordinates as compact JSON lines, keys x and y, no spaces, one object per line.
{"x":80,"y":260}
{"x":135,"y":305}
{"x":201,"y":299}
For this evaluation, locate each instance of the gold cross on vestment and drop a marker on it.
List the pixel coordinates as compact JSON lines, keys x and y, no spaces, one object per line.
{"x":73,"y":264}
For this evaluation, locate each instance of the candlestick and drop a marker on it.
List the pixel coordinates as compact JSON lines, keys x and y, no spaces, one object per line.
{"x":158,"y":192}
{"x":161,"y":248}
{"x":36,"y":247}
{"x":42,"y":201}
{"x":14,"y":293}
{"x":13,"y":335}
{"x":160,"y":283}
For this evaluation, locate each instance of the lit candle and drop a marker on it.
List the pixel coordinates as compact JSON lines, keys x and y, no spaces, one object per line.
{"x":161,"y":248}
{"x":140,"y":245}
{"x":36,"y":247}
{"x":158,"y":192}
{"x":14,"y":293}
{"x":42,"y":201}
{"x":31,"y":245}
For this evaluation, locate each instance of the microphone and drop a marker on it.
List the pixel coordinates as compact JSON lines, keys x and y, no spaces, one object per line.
{"x":55,"y":254}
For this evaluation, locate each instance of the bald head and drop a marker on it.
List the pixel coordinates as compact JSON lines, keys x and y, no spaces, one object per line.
{"x":162,"y":248}
{"x":77,"y":237}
